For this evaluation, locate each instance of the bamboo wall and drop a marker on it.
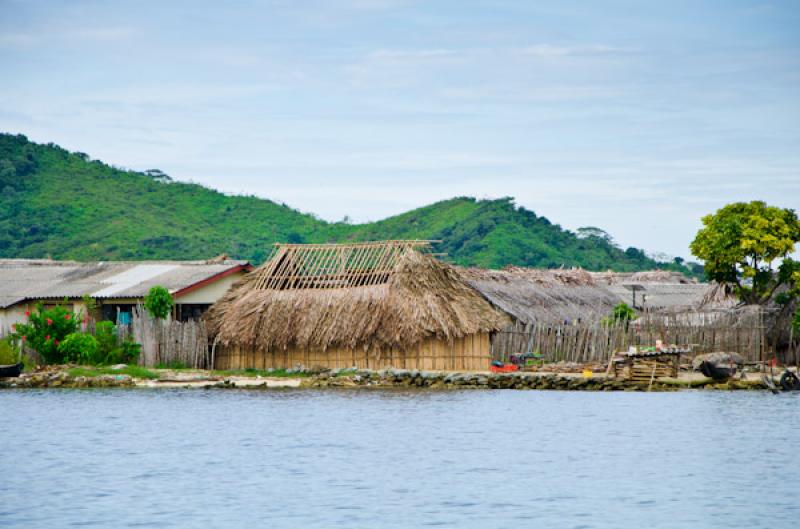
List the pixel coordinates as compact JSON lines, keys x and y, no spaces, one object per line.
{"x":594,"y":342}
{"x":471,"y":353}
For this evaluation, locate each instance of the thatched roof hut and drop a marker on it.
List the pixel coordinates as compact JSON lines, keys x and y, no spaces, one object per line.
{"x":365,"y":304}
{"x":533,"y":295}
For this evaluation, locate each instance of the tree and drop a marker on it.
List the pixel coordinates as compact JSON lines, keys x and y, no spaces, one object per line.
{"x":588,"y":232}
{"x":741,"y":243}
{"x":158,"y":302}
{"x":622,"y":313}
{"x":635,"y":254}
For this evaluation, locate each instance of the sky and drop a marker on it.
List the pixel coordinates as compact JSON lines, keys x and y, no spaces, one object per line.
{"x":636,"y":117}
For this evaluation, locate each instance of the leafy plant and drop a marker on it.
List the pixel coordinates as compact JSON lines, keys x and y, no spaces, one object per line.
{"x":126,"y":352}
{"x":46,"y":329}
{"x":796,"y":321}
{"x":622,"y":313}
{"x":90,"y":302}
{"x":112,"y":350}
{"x":158,"y":302}
{"x":79,"y":348}
{"x":9,"y":353}
{"x":106,"y":336}
{"x":740,"y":244}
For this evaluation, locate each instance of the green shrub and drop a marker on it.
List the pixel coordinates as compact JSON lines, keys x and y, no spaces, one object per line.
{"x":9,"y":353}
{"x":106,"y":336}
{"x":126,"y":352}
{"x":110,"y":350}
{"x":158,"y":302}
{"x":622,"y":313}
{"x":45,"y":330}
{"x":79,"y":348}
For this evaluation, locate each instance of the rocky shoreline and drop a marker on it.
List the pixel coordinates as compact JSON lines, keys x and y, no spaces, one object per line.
{"x":390,"y":378}
{"x":519,"y":381}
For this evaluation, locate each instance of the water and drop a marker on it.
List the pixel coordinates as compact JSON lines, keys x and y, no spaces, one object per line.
{"x":361,"y":458}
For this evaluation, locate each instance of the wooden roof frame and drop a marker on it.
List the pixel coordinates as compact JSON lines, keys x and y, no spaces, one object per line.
{"x":329,"y":266}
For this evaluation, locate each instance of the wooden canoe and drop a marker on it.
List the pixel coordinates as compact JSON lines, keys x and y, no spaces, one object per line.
{"x":11,"y":370}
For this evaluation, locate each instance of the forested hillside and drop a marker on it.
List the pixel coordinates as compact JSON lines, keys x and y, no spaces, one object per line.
{"x":66,"y":206}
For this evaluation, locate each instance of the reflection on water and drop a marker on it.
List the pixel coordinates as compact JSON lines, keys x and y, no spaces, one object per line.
{"x":365,"y":458}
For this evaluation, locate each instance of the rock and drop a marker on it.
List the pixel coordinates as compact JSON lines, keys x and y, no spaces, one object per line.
{"x":717,"y":358}
{"x":117,"y":367}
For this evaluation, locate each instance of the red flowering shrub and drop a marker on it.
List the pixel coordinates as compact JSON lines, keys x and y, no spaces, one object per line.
{"x":45,"y":329}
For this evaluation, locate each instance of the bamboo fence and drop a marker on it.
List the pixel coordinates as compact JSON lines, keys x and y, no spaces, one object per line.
{"x":169,"y":342}
{"x":596,"y":342}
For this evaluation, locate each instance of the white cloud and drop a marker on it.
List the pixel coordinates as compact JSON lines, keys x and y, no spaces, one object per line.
{"x":552,"y":50}
{"x":411,"y":54}
{"x":49,"y":36}
{"x":102,"y":34}
{"x":18,"y":39}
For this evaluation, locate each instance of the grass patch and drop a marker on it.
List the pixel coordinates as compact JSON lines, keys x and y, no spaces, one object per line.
{"x":95,"y":371}
{"x":346,"y":373}
{"x":278,"y":373}
{"x":174,"y":366}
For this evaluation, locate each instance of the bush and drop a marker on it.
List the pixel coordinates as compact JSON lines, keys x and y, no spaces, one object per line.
{"x":9,"y":354}
{"x":45,"y":330}
{"x":79,"y":348}
{"x":622,"y":313}
{"x":105,"y":333}
{"x":158,"y":302}
{"x":127,"y":352}
{"x":110,"y":350}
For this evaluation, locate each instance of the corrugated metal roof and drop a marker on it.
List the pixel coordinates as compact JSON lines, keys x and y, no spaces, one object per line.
{"x":22,"y":279}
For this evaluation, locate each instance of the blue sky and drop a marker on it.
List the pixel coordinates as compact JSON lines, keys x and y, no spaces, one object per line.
{"x":637,"y":117}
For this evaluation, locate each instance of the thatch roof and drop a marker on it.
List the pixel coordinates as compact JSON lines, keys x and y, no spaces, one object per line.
{"x":532,"y":295}
{"x":373,"y":296}
{"x":555,"y":296}
{"x":719,"y":296}
{"x":648,"y":276}
{"x":667,"y":291}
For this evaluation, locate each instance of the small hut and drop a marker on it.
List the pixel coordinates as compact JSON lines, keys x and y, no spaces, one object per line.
{"x":370,"y":305}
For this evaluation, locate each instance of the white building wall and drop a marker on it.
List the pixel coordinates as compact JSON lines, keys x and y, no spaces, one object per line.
{"x":210,"y":293}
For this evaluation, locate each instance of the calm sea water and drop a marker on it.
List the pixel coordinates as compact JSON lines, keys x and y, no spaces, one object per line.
{"x":193,"y":458}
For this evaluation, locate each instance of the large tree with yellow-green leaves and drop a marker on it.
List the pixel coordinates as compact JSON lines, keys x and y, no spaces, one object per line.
{"x":747,"y":245}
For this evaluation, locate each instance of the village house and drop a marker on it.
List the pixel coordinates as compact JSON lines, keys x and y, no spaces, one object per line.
{"x":115,"y":286}
{"x":369,"y":305}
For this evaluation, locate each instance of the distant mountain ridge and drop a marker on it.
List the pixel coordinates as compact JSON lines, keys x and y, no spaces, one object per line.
{"x":63,"y":205}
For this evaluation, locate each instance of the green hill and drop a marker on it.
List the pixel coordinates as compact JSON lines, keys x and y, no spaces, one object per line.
{"x":66,"y":206}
